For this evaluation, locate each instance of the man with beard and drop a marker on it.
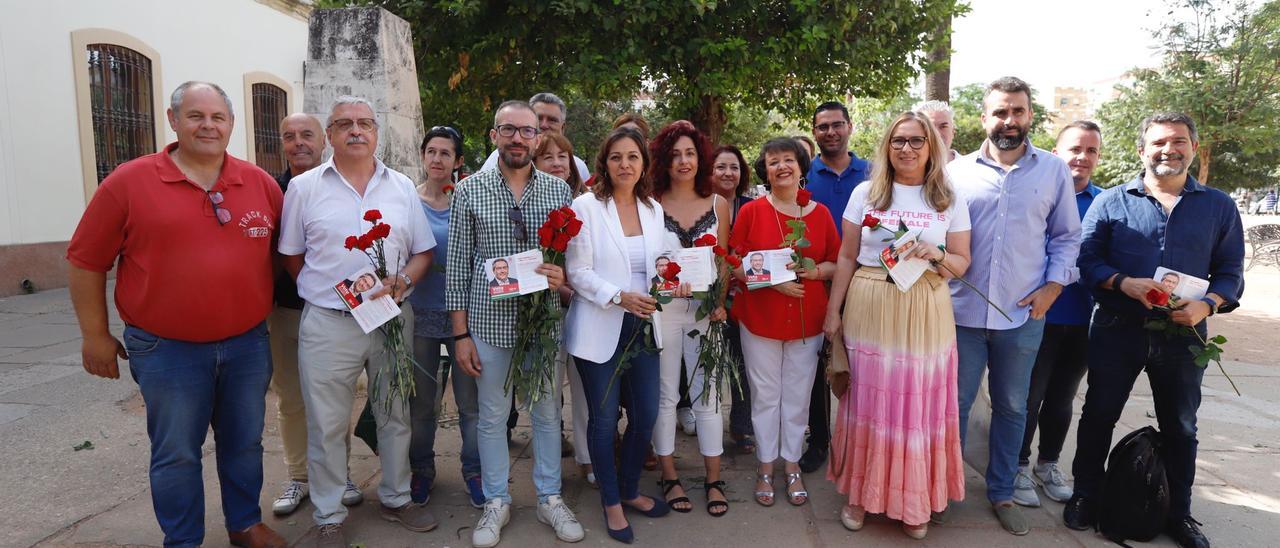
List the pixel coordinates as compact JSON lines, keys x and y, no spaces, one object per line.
{"x":1130,"y":231}
{"x":496,"y":214}
{"x":1061,"y":360}
{"x":321,"y":208}
{"x":1026,"y":236}
{"x":552,"y":114}
{"x":831,"y":178}
{"x":302,"y":140}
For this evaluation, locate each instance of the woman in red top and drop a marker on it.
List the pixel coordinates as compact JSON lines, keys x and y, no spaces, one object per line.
{"x":782,"y":324}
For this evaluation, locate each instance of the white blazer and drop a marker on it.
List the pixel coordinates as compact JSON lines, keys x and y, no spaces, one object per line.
{"x":598,"y":267}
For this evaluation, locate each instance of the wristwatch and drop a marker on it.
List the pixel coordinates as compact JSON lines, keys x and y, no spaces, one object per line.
{"x":408,"y":282}
{"x":617,"y":298}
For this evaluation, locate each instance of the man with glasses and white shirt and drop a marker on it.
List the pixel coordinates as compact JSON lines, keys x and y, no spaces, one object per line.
{"x":322,"y":207}
{"x":496,"y":213}
{"x":552,"y":114}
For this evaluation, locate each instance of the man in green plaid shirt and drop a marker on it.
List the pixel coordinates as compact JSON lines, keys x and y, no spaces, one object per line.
{"x":496,"y":213}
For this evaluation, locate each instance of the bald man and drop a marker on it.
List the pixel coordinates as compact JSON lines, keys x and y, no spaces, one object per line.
{"x":303,"y":143}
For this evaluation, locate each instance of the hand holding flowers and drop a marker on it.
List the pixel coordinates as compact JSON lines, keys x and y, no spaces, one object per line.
{"x":1169,"y":326}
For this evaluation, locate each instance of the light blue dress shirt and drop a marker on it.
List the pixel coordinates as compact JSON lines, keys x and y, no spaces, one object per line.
{"x":1026,"y":232}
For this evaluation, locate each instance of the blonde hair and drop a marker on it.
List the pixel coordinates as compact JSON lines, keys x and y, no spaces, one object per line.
{"x":938,"y":193}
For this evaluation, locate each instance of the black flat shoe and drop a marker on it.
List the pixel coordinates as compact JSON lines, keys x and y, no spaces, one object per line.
{"x":1186,"y":533}
{"x":667,"y":486}
{"x":660,"y":508}
{"x":1078,"y":514}
{"x":713,"y":505}
{"x":812,"y":459}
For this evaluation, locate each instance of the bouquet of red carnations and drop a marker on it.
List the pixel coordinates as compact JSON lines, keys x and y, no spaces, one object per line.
{"x":533,"y":359}
{"x":717,"y":360}
{"x":400,"y":365}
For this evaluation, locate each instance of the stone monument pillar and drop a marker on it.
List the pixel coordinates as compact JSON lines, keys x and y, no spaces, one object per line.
{"x":368,"y":52}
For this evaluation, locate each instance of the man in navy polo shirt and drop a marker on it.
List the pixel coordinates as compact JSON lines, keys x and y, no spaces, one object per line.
{"x":832,"y":176}
{"x":1162,"y":218}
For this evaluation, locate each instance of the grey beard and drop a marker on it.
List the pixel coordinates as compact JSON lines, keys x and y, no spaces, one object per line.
{"x":1166,"y":170}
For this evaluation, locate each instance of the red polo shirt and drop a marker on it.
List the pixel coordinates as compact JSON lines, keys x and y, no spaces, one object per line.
{"x":181,"y":274}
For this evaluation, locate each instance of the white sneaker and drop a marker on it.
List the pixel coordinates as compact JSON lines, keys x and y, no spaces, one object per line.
{"x":561,"y":518}
{"x":1050,"y":477}
{"x":288,"y":501}
{"x":488,"y":530}
{"x":1024,"y":490}
{"x":351,"y":496}
{"x":684,"y":416}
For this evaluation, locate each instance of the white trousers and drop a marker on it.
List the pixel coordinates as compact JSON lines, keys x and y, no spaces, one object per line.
{"x":578,"y":403}
{"x":781,"y":375}
{"x":677,"y":322}
{"x":332,"y":351}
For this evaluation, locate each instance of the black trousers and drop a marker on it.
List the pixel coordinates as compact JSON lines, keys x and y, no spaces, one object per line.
{"x":820,"y":409}
{"x":1060,"y":366}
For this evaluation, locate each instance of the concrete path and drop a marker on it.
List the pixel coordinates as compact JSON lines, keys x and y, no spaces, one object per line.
{"x":59,"y":496}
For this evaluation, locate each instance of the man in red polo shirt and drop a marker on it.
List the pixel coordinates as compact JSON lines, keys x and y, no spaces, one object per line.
{"x":192,"y":231}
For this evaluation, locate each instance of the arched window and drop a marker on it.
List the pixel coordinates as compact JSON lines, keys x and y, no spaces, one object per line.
{"x":122,"y":105}
{"x":270,"y":106}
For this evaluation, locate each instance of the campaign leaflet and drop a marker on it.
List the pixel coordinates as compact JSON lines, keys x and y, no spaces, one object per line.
{"x":1183,"y":286}
{"x":697,"y":268}
{"x":768,"y":267}
{"x":903,"y":272}
{"x":356,"y":291}
{"x":514,"y":275}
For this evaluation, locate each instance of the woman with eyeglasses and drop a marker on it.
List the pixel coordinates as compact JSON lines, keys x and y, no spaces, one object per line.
{"x":554,"y":155}
{"x":610,"y":264}
{"x":442,"y":150}
{"x":731,"y":179}
{"x":781,"y":325}
{"x":896,"y":445}
{"x":681,"y":178}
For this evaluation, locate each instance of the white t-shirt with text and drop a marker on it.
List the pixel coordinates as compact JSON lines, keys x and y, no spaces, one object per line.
{"x":908,"y":205}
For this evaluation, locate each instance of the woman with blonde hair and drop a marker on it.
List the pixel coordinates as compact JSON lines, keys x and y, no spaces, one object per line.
{"x":896,"y":446}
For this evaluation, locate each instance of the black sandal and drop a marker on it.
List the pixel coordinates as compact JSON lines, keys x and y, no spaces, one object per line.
{"x":666,"y":486}
{"x":716,"y":504}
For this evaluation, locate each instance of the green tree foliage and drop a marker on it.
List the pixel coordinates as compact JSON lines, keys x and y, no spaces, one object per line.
{"x":1221,"y":66}
{"x":704,"y":58}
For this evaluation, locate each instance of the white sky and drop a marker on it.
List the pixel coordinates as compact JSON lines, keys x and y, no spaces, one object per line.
{"x":1053,"y":42}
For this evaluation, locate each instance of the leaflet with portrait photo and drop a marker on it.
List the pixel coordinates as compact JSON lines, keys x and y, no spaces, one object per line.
{"x":1183,"y":286}
{"x":767,"y":267}
{"x":903,"y":272}
{"x":514,"y":275}
{"x":697,"y":268}
{"x":356,"y":291}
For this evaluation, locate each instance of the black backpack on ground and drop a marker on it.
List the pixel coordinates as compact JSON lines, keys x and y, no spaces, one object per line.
{"x":1134,"y":502}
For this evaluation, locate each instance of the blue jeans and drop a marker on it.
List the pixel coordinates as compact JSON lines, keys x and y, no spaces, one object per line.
{"x":1010,"y":354}
{"x":429,"y":382}
{"x":1119,"y":349}
{"x":491,"y":429}
{"x":186,"y":388}
{"x":637,"y":390}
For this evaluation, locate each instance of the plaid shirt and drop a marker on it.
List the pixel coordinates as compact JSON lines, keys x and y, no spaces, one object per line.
{"x":479,"y":229}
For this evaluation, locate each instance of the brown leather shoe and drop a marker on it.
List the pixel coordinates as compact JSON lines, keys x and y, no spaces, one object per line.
{"x":414,"y":517}
{"x":258,"y":536}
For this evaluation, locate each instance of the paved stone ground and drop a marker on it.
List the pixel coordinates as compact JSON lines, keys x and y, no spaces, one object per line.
{"x":59,"y":496}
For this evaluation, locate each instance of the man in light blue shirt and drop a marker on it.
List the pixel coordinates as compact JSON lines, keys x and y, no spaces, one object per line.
{"x":1026,"y":236}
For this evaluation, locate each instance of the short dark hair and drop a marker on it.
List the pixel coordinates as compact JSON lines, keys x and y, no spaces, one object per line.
{"x":1007,"y":84}
{"x":744,"y":169}
{"x":447,"y":132}
{"x":781,"y":144}
{"x":500,"y":260}
{"x":1167,"y":118}
{"x":1083,"y":125}
{"x":831,"y":105}
{"x":513,"y":103}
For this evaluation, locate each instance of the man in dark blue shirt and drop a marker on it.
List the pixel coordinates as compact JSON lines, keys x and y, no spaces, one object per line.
{"x":1061,"y":360}
{"x":831,"y":178}
{"x":1162,"y":218}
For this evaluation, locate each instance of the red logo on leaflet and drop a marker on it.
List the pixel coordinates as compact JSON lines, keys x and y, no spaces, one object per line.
{"x":256,"y":224}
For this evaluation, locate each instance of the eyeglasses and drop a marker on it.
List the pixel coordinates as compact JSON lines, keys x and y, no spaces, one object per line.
{"x":449,"y":130}
{"x":222,"y":213}
{"x":833,"y":126}
{"x":344,"y":124}
{"x":898,"y":143}
{"x":508,"y":130}
{"x":518,"y":230}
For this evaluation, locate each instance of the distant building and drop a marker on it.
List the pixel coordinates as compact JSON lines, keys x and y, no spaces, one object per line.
{"x":84,"y":87}
{"x":1082,"y":102}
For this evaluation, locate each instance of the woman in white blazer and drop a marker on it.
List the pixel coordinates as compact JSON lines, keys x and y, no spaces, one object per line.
{"x":610,"y":264}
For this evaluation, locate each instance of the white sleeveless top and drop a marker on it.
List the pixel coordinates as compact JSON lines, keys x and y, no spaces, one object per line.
{"x":677,"y":237}
{"x":635,"y":256}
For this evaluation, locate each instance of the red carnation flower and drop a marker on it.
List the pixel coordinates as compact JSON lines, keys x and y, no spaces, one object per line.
{"x":870,"y":221}
{"x":720,"y":251}
{"x":573,"y":227}
{"x":351,"y":242}
{"x":560,"y":242}
{"x":372,"y":215}
{"x":705,"y":240}
{"x":382,"y":230}
{"x":557,"y":219}
{"x":568,"y":212}
{"x":545,"y":235}
{"x":1157,"y":297}
{"x":364,"y":242}
{"x":672,"y":272}
{"x":590,"y":182}
{"x":448,"y":190}
{"x":802,"y":197}
{"x":734,"y":260}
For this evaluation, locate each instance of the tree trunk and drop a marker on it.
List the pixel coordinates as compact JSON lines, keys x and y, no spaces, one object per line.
{"x":1203,"y":153}
{"x":710,"y":117}
{"x":937,"y":84}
